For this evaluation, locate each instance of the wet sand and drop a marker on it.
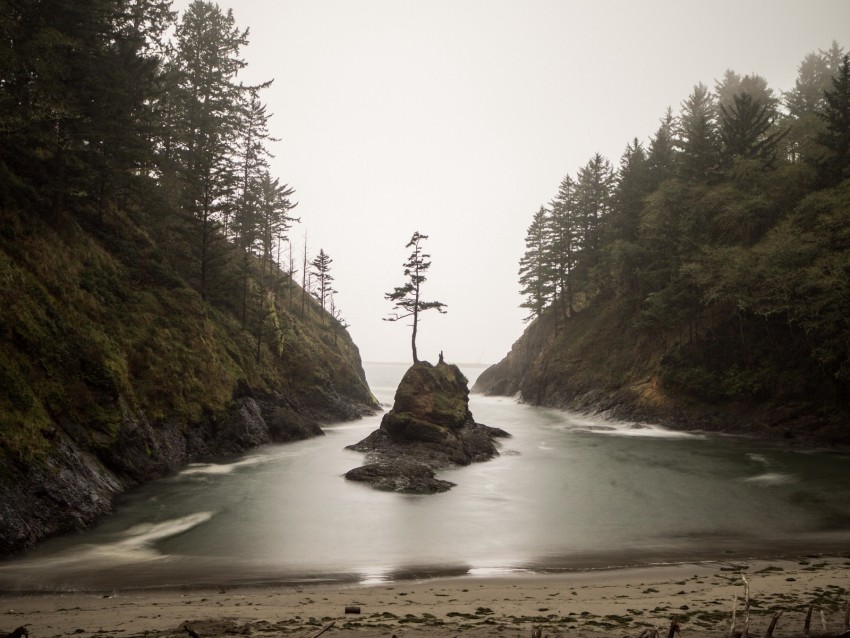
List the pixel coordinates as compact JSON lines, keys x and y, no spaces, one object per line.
{"x":620,"y":602}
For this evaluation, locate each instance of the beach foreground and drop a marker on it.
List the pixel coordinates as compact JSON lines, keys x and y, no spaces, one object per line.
{"x":616,"y":602}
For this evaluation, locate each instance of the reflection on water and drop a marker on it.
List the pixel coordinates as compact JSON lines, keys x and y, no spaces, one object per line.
{"x":568,"y":491}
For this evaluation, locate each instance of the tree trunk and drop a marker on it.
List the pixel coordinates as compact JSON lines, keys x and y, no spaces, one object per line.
{"x":413,"y":337}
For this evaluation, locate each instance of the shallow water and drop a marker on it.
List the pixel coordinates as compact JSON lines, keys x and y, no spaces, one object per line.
{"x":567,"y":492}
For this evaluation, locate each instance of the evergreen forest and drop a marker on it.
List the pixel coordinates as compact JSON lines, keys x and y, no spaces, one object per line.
{"x":153,"y":310}
{"x":714,"y":259}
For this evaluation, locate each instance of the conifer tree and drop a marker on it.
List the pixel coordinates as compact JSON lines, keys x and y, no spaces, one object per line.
{"x":593,"y":199}
{"x":662,"y":152}
{"x":747,"y":130}
{"x":697,"y":135}
{"x":563,"y":245}
{"x":322,"y":273}
{"x":407,"y":298}
{"x":536,"y":276}
{"x":208,"y":46}
{"x":835,"y":164}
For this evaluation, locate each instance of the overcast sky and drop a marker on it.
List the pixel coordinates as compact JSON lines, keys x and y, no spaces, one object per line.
{"x":459,"y":118}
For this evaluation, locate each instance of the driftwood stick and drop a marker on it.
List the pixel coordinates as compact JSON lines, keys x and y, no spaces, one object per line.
{"x":674,"y":629}
{"x":847,"y":616}
{"x":807,"y":624}
{"x":746,"y":631}
{"x":325,"y":628}
{"x":772,"y":626}
{"x":734,"y":615}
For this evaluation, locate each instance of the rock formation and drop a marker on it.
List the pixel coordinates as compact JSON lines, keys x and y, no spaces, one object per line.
{"x":429,"y":428}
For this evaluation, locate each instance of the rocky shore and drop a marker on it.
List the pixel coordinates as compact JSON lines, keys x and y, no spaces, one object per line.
{"x":429,"y":428}
{"x":75,"y":485}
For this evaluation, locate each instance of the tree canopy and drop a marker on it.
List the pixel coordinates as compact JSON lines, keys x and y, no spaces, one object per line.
{"x":725,"y":233}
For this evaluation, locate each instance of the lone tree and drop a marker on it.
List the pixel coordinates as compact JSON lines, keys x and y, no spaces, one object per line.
{"x":407,"y":299}
{"x":321,"y":271}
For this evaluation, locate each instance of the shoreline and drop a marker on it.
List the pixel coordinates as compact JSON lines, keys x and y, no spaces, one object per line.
{"x":615,"y":601}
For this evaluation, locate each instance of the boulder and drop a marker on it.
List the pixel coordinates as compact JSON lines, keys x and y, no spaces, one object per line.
{"x":400,"y":475}
{"x":429,"y":428}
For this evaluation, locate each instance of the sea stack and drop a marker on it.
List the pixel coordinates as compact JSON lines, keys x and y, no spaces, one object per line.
{"x":429,"y":428}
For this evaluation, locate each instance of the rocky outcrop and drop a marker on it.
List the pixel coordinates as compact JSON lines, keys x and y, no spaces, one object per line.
{"x":600,"y":363}
{"x":429,"y":428}
{"x":401,"y":474}
{"x":74,"y":485}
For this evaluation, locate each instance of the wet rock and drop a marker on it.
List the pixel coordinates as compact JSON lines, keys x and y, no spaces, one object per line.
{"x":400,"y":475}
{"x":429,"y":428}
{"x":74,"y":485}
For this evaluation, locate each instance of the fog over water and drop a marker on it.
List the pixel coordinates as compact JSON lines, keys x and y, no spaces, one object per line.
{"x":567,"y":492}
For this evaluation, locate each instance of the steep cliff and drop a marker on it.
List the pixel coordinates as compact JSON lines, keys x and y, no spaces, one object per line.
{"x":114,"y":371}
{"x":601,"y":361}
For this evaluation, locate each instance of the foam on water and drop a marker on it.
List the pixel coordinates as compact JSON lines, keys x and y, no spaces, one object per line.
{"x":225,"y":468}
{"x":581,"y":425}
{"x":771,"y":478}
{"x":136,"y":544}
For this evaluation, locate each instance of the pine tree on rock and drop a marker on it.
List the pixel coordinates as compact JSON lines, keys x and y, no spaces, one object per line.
{"x":407,"y":298}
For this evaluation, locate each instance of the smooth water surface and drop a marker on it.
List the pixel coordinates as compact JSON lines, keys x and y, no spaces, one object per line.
{"x":567,"y":492}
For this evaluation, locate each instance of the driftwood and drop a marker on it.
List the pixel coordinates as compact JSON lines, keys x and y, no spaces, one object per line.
{"x":17,"y":633}
{"x":674,"y":629}
{"x":188,"y":629}
{"x":734,"y":616}
{"x":324,"y":629}
{"x":352,"y":609}
{"x":743,"y":633}
{"x":773,"y":621}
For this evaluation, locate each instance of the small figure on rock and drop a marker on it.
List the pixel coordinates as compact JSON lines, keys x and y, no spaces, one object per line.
{"x":441,"y":357}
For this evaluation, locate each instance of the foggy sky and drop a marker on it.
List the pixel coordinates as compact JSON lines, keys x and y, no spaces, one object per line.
{"x":459,"y":118}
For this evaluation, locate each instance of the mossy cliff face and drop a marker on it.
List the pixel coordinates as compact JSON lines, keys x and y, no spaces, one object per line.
{"x":431,"y":403}
{"x":114,"y":371}
{"x":599,"y":361}
{"x":429,"y":428}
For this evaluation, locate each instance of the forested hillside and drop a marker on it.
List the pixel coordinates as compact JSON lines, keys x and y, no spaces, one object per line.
{"x":705,"y":280}
{"x":149,"y":313}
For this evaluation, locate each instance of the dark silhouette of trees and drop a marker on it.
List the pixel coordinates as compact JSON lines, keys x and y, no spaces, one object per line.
{"x":747,"y":130}
{"x":207,"y":56}
{"x":729,"y":228}
{"x":323,"y":277}
{"x":535,"y":276}
{"x":834,"y":165}
{"x":697,"y":136}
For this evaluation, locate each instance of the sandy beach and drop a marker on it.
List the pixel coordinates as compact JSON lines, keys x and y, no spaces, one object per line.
{"x":617,"y":602}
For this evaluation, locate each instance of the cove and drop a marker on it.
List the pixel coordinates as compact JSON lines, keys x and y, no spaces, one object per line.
{"x":567,"y":492}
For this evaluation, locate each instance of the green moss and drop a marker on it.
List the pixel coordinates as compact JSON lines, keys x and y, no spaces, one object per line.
{"x":93,"y":322}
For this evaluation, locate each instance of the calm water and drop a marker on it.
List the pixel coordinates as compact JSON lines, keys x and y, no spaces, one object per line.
{"x":567,"y":492}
